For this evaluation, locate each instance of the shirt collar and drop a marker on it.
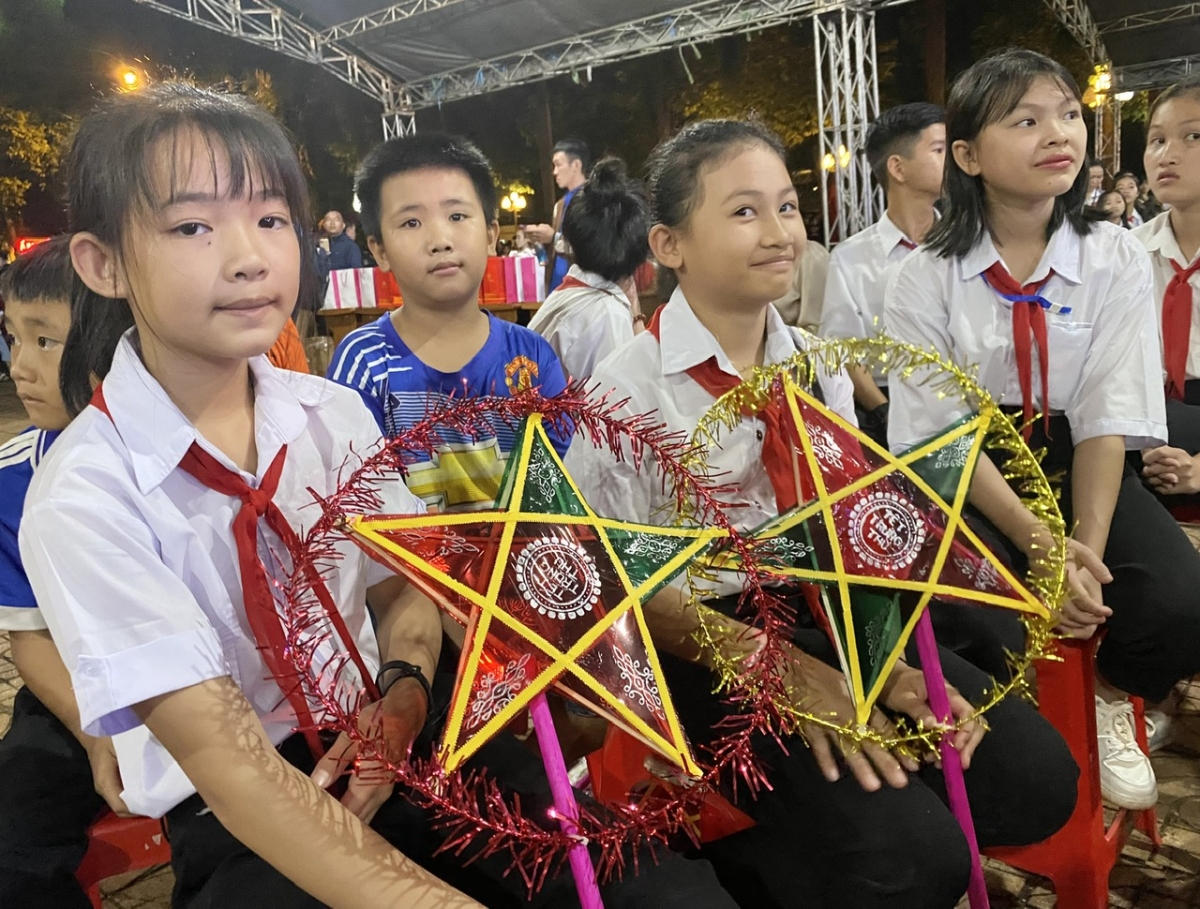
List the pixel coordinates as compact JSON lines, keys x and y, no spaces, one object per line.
{"x":888,"y":234}
{"x":1158,"y":236}
{"x":1063,"y":256}
{"x":157,"y":435}
{"x":684,"y":342}
{"x":593,"y":280}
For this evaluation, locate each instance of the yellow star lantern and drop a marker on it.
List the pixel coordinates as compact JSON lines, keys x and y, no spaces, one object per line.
{"x":550,"y":594}
{"x":880,"y":536}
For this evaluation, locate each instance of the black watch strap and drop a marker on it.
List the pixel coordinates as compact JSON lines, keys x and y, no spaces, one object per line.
{"x":393,"y":671}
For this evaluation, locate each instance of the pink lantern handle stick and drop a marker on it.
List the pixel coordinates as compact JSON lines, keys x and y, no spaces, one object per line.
{"x":956,"y":787}
{"x":565,"y":805}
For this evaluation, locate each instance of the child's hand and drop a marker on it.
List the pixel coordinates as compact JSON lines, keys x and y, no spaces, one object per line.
{"x":1171,"y":471}
{"x":392,"y":722}
{"x":906,"y":693}
{"x":1084,"y":610}
{"x":821,"y":690}
{"x":106,"y":775}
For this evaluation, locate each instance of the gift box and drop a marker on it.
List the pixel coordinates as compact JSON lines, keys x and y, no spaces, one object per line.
{"x":387,"y":291}
{"x":524,"y":280}
{"x":626,"y":770}
{"x":491,"y":290}
{"x":350,"y":288}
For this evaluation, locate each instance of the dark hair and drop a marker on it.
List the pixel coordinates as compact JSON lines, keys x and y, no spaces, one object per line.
{"x":409,"y":153}
{"x":895,"y":132}
{"x":575,"y":150}
{"x":608,"y":223}
{"x":1126,"y":175}
{"x":113,"y":166}
{"x":675,"y":165}
{"x":42,"y":273}
{"x":97,"y":324}
{"x":987,"y":92}
{"x":1183,"y":88}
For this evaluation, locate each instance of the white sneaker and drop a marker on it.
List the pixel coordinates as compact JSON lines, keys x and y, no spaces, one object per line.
{"x":1126,"y":776}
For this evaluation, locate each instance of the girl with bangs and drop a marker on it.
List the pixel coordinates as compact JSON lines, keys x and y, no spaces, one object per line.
{"x":154,"y":531}
{"x":1056,"y":313}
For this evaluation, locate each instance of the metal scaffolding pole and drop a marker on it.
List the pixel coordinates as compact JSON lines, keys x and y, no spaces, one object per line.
{"x":847,"y":102}
{"x":397,"y":125}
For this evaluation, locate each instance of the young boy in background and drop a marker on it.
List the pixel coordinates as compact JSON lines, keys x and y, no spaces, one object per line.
{"x":429,"y":210}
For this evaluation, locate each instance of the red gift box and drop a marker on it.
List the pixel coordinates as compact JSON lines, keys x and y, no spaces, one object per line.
{"x":387,"y":291}
{"x":491,"y":291}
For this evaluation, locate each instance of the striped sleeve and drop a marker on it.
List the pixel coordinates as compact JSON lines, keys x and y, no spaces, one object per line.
{"x":361,"y":363}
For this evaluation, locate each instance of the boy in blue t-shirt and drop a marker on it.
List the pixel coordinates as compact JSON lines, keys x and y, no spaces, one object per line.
{"x":429,"y":212}
{"x":54,"y":779}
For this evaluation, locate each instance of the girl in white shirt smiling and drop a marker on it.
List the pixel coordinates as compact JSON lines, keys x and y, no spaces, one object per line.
{"x":152,"y":535}
{"x":841,"y":826}
{"x":1056,"y":313}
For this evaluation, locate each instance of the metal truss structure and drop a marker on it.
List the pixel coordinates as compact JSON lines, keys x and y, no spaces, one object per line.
{"x":693,"y":24}
{"x":845,"y":49}
{"x":1156,"y":74}
{"x":1077,"y":18}
{"x":399,"y":12}
{"x":1108,"y":133}
{"x":847,"y":102}
{"x":1151,"y":17}
{"x":265,"y":24}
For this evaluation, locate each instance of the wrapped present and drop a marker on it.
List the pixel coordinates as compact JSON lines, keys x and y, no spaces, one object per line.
{"x":626,"y":770}
{"x":524,"y":280}
{"x":387,"y":291}
{"x":491,"y":291}
{"x":350,"y":288}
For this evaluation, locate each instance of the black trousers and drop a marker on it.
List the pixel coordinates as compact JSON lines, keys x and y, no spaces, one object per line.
{"x":46,"y":805}
{"x":47,"y":802}
{"x":825,"y":845}
{"x":215,"y":871}
{"x":1152,"y":638}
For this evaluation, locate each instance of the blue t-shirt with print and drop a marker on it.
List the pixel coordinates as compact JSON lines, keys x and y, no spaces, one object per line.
{"x":401,"y":390}
{"x":19,"y":457}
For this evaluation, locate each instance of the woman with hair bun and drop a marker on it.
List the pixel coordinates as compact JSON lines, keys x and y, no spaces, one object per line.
{"x":595,"y":309}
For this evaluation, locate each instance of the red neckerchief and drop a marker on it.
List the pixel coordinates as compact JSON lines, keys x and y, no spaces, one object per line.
{"x":1028,"y":319}
{"x":261,"y":614}
{"x":1177,"y":326}
{"x":778,"y":452}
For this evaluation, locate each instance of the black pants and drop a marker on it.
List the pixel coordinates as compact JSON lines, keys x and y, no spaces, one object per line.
{"x":215,"y":871}
{"x":1152,"y":638}
{"x":46,"y":805}
{"x":825,"y":845}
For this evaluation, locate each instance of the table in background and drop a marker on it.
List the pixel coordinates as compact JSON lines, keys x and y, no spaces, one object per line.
{"x":341,"y":322}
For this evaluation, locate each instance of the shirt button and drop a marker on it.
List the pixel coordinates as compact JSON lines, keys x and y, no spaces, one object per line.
{"x":758,"y":434}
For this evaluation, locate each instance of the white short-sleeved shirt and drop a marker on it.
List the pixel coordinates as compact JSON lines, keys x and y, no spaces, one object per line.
{"x":802,"y":305}
{"x":653,"y":376}
{"x":584,"y":324}
{"x":859,"y":269}
{"x":1105,"y":365}
{"x":134,"y":562}
{"x":1159,"y":239}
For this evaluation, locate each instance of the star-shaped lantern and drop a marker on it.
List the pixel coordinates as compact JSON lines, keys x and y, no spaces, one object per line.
{"x":550,"y":594}
{"x":880,"y":535}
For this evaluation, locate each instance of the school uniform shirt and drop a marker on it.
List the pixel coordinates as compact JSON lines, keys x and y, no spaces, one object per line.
{"x":19,"y":458}
{"x":859,"y":269}
{"x":135,"y":566}
{"x":801,"y":306}
{"x":1105,"y":367}
{"x":653,"y":377}
{"x":400,"y":390}
{"x":1159,"y":240}
{"x":584,"y":324}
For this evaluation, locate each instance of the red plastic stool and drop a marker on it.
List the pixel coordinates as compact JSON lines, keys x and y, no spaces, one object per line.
{"x":117,"y":845}
{"x":1079,"y":858}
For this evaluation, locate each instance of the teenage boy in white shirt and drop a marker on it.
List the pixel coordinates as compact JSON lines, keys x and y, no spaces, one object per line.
{"x":906,"y":148}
